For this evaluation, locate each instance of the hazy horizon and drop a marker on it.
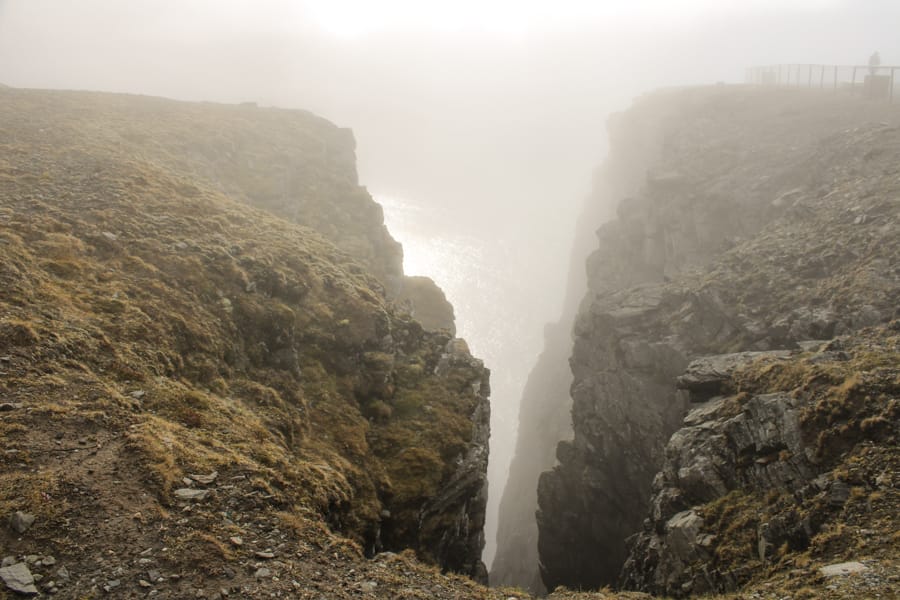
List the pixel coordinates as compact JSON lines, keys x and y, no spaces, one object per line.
{"x":478,"y":124}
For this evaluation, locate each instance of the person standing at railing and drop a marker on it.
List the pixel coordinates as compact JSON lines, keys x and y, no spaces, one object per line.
{"x":874,"y":63}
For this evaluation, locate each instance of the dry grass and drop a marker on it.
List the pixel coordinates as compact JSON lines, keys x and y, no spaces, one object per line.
{"x":143,"y":300}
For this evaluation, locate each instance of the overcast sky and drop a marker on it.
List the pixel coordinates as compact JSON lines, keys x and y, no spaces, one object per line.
{"x":482,"y":118}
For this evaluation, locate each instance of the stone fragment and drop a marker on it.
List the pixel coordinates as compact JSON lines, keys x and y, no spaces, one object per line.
{"x":19,"y":579}
{"x":21,"y":521}
{"x":191,"y":494}
{"x":262,"y":573}
{"x":839,"y":494}
{"x":204,"y":479}
{"x":844,"y":568}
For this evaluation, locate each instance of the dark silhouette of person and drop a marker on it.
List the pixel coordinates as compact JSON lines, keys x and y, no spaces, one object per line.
{"x":874,"y":63}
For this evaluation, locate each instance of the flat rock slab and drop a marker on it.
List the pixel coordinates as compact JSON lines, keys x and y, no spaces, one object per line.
{"x":191,"y":494}
{"x":845,"y":568}
{"x":706,"y":376}
{"x":204,"y":479}
{"x":19,"y":579}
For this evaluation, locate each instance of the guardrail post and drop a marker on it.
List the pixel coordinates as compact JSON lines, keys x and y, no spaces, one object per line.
{"x":822,"y":78}
{"x":853,"y":83}
{"x":835,"y":78}
{"x":809,"y":76}
{"x":891,"y":95}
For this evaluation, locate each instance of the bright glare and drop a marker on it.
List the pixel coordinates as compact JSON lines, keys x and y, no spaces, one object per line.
{"x":348,"y":18}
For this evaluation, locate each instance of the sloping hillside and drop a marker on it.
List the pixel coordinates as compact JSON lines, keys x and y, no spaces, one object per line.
{"x":191,"y":387}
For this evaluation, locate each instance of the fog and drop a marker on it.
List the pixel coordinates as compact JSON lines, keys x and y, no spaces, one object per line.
{"x":478,"y":123}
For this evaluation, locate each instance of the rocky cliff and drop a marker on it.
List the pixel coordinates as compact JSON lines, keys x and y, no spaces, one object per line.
{"x":746,"y":220}
{"x":544,"y":420}
{"x":193,"y":387}
{"x":792,"y":458}
{"x":545,"y":408}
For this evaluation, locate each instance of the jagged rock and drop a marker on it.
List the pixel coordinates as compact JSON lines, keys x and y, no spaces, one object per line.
{"x":462,"y":501}
{"x":719,"y":451}
{"x":749,"y":445}
{"x":19,"y":579}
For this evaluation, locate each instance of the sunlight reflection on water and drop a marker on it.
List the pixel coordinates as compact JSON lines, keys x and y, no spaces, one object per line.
{"x":483,"y":279}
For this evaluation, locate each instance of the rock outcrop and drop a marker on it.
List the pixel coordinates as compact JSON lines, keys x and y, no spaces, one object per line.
{"x":187,"y":372}
{"x":764,"y":453}
{"x":756,"y":220}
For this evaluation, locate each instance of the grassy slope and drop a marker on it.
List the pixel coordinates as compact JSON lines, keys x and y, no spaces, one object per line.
{"x":152,"y":327}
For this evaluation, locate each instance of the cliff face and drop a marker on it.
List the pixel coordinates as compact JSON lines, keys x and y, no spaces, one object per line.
{"x":792,"y":455}
{"x":545,"y":409}
{"x":543,"y":422}
{"x":752,"y":221}
{"x":184,"y":371}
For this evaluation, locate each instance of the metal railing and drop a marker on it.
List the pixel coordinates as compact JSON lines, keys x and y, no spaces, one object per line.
{"x":871,"y":81}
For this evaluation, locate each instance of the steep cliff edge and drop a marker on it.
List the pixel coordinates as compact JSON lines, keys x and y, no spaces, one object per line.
{"x":762,"y":219}
{"x":545,"y":409}
{"x":192,"y":388}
